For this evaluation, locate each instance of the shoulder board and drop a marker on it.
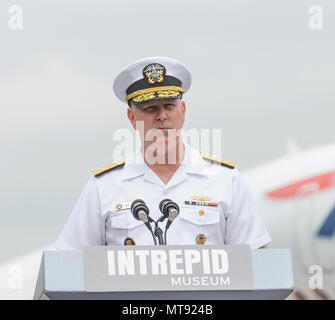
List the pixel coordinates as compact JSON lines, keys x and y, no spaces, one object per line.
{"x":222,"y":162}
{"x":109,"y":167}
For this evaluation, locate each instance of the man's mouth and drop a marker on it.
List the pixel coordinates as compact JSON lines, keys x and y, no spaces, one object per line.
{"x":164,"y":130}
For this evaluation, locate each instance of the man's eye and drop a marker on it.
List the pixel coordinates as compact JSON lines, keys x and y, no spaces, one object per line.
{"x":150,"y":109}
{"x":169,"y":106}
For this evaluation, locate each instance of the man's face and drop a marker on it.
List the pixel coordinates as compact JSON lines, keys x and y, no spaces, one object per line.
{"x":157,"y":115}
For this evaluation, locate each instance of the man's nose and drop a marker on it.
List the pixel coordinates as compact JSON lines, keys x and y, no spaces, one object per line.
{"x":162,"y":115}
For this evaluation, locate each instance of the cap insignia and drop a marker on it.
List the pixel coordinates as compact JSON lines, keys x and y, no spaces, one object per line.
{"x":154,"y":73}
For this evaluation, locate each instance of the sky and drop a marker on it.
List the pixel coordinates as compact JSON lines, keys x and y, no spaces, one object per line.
{"x":260,"y":74}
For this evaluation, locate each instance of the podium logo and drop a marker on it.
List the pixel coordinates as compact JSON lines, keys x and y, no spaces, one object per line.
{"x":171,"y":262}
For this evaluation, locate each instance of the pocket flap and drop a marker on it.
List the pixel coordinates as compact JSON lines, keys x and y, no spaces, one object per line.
{"x":125,"y":220}
{"x":210,"y":216}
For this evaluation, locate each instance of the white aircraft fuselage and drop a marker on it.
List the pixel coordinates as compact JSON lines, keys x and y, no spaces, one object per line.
{"x":296,"y":197}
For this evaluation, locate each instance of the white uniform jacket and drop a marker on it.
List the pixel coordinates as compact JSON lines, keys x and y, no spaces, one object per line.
{"x":96,"y":219}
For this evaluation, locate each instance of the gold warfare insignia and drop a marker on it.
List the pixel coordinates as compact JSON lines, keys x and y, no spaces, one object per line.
{"x":202,"y":198}
{"x":154,"y":73}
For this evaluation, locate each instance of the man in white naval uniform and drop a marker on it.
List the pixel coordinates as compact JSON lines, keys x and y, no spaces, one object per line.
{"x":215,"y":204}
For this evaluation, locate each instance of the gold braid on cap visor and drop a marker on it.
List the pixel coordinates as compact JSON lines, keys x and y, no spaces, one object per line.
{"x":145,"y":94}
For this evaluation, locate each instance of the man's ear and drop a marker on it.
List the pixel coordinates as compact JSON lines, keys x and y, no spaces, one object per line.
{"x":183,"y":110}
{"x":183,"y":107}
{"x":131,"y":117}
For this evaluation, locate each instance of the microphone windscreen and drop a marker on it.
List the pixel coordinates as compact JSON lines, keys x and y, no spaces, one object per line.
{"x":137,"y":206}
{"x":163,"y":207}
{"x":173,"y":214}
{"x":143,"y":216}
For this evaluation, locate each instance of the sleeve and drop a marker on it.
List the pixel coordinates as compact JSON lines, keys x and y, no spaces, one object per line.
{"x":84,"y":226}
{"x":244,"y":223}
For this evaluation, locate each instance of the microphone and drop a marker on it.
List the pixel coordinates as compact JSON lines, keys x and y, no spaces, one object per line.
{"x":170,"y":210}
{"x":172,"y":215}
{"x":140,"y":211}
{"x":162,"y":205}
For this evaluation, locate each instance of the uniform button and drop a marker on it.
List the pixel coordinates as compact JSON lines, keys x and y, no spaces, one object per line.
{"x":201,"y":212}
{"x":201,"y":238}
{"x":129,"y":242}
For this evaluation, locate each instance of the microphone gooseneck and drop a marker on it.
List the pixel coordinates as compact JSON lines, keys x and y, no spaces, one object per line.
{"x":159,"y":235}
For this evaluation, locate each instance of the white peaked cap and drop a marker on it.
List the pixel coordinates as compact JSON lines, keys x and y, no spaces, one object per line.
{"x":152,"y":78}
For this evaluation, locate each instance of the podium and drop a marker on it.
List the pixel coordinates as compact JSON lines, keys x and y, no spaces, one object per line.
{"x":62,"y":276}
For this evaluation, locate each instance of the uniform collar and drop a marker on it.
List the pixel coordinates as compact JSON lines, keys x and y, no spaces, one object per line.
{"x":134,"y":165}
{"x":193,"y":163}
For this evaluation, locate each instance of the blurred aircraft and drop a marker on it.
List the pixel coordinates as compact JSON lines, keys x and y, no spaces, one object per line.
{"x":295,"y":195}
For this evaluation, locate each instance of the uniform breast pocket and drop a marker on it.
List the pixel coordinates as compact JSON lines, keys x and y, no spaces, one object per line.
{"x":124,"y":220}
{"x":120,"y":226}
{"x":200,"y":225}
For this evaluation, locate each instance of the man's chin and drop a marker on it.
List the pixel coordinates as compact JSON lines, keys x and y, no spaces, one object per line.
{"x":161,"y":148}
{"x":169,"y":141}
